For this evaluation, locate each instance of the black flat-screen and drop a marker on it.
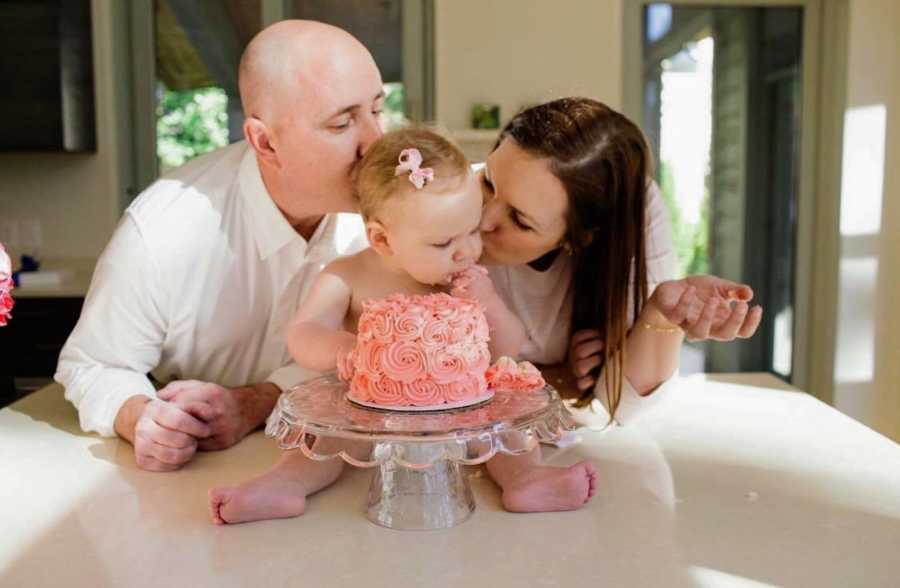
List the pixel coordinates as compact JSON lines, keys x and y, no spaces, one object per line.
{"x":46,"y":76}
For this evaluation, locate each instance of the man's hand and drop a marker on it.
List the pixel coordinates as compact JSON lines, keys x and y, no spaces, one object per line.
{"x":231,"y":413}
{"x":223,"y":412}
{"x":164,"y":436}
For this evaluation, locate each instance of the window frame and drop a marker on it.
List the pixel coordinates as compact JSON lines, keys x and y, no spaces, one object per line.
{"x":418,"y":75}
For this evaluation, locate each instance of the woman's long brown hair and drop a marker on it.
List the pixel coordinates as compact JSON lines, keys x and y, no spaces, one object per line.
{"x":603,"y":161}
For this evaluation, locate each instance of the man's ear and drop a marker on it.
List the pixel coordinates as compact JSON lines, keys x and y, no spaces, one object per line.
{"x":378,"y":238}
{"x":259,"y":138}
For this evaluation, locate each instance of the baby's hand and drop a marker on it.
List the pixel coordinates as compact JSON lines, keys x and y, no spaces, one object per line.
{"x":473,"y":283}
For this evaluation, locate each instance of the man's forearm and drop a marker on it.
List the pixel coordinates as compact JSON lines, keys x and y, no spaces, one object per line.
{"x":256,"y":403}
{"x":128,"y":415}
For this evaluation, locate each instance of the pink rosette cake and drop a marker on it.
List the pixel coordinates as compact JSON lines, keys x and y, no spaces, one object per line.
{"x":427,"y":352}
{"x":419,"y":352}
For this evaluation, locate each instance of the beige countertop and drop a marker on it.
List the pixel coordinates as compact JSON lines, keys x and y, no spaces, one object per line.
{"x":75,"y":286}
{"x":726,"y":484}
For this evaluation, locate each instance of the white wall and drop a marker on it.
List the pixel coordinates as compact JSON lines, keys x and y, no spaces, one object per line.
{"x":867,"y":366}
{"x":548,"y":49}
{"x":76,"y":197}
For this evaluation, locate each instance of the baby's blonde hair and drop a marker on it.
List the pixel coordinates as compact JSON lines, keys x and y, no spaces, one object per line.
{"x":376,"y":180}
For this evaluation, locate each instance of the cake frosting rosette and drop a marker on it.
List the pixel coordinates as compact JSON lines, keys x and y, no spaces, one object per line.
{"x":431,"y":351}
{"x":507,"y":374}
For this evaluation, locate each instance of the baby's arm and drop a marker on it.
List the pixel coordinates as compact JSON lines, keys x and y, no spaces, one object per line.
{"x":316,"y":337}
{"x":507,"y":331}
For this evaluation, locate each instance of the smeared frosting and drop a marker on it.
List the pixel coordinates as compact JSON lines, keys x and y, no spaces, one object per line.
{"x":506,"y":374}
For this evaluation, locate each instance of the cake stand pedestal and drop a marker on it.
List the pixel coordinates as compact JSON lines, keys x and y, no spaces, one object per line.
{"x":419,"y":483}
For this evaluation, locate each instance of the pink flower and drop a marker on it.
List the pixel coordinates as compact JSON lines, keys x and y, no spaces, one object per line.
{"x":6,"y":286}
{"x":6,"y":304}
{"x":5,"y":265}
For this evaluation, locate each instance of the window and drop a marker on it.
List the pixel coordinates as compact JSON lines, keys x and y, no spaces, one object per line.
{"x":721,"y":105}
{"x":192,"y":51}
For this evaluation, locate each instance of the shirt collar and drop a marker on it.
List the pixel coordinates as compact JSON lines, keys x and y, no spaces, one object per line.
{"x":270,"y":229}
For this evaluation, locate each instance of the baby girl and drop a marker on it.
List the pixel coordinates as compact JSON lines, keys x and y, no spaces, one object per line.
{"x":422,"y":208}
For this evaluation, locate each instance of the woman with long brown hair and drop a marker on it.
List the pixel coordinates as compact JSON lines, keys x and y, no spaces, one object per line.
{"x":577,"y":240}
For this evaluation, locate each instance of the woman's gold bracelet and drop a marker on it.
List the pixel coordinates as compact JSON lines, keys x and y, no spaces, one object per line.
{"x":656,"y":329}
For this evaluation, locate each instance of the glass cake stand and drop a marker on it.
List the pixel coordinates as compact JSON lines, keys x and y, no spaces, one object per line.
{"x":419,"y":483}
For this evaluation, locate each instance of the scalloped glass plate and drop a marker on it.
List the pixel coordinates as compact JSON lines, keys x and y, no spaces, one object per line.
{"x":317,"y":417}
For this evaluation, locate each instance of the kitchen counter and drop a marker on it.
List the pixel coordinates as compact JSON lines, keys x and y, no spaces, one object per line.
{"x":75,"y":287}
{"x":729,"y":482}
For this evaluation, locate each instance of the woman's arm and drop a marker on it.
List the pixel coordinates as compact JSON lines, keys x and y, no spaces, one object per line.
{"x":316,"y":337}
{"x":696,"y":307}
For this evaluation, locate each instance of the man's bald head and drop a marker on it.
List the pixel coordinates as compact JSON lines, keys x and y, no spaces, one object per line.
{"x":282,"y":60}
{"x":312,"y":98}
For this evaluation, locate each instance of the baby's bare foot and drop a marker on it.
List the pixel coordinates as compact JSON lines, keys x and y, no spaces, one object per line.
{"x":547,"y":488}
{"x":265,"y":497}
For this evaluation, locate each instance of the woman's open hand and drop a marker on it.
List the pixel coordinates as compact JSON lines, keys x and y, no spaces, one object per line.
{"x":704,"y":307}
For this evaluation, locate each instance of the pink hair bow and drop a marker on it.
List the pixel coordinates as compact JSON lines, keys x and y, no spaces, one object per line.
{"x":410,"y":160}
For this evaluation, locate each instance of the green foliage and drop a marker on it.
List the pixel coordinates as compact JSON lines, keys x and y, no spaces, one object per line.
{"x":190,"y":123}
{"x":691,"y":240}
{"x":394,"y":106}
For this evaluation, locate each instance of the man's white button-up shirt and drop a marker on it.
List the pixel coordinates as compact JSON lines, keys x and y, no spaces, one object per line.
{"x":199,"y":281}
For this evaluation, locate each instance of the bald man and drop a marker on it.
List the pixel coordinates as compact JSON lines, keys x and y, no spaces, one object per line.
{"x":208,"y":264}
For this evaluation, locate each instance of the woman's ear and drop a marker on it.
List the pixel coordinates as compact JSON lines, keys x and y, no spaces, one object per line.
{"x":259,"y":138}
{"x":378,"y":238}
